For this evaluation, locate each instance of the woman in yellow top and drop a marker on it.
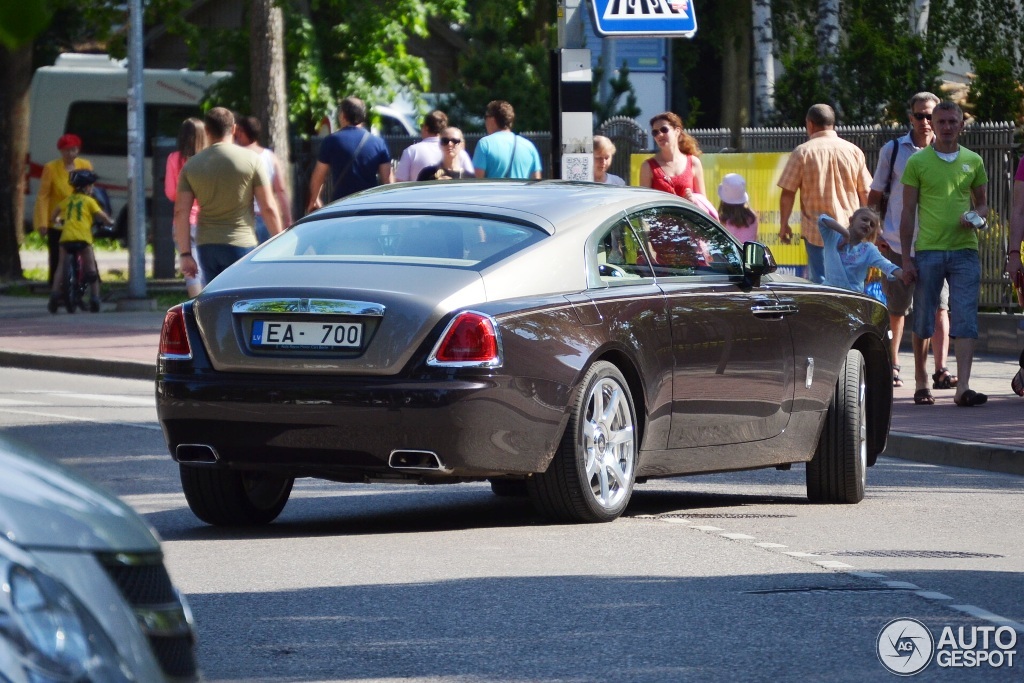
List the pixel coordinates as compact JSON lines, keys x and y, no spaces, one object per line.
{"x":54,"y":187}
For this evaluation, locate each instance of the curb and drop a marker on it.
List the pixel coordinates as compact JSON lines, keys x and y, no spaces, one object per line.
{"x":968,"y":454}
{"x":121,"y":369}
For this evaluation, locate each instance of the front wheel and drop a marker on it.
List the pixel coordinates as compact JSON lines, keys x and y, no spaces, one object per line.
{"x":591,"y":476}
{"x":838,"y":471}
{"x":234,"y":497}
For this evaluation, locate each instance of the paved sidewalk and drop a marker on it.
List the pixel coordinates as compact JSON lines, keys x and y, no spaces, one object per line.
{"x":124,"y":344}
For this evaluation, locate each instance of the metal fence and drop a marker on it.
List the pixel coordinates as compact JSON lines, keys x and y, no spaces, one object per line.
{"x":993,"y":141}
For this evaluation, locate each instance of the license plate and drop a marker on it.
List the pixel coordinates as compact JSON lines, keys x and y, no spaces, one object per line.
{"x":310,"y":335}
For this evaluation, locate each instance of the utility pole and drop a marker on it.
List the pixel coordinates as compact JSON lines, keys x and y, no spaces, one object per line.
{"x":572,"y":116}
{"x":136,"y":173}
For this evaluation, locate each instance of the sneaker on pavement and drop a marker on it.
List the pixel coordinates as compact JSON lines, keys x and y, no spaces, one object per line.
{"x":52,"y":304}
{"x":1017,"y":383}
{"x":94,"y":305}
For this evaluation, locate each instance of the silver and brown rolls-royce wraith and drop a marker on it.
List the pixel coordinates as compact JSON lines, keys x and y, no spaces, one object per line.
{"x":562,"y":340}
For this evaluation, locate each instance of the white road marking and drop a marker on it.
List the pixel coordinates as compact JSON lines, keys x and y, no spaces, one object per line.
{"x":902,"y":584}
{"x":832,"y":564}
{"x":799,"y":554}
{"x":673,"y":520}
{"x":75,"y":418}
{"x":989,"y":616}
{"x":771,"y":545}
{"x":738,"y":537}
{"x":109,"y":398}
{"x":706,"y":528}
{"x":18,"y":402}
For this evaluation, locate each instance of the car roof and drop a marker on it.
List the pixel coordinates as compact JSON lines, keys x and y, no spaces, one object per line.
{"x":551,"y":204}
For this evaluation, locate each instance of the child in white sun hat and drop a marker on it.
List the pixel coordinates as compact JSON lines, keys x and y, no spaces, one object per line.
{"x":733,"y":211}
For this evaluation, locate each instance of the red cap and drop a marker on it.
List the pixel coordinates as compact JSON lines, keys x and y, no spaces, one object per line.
{"x":69,"y":140}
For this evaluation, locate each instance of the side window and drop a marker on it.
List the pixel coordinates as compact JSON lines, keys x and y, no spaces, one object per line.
{"x":102,"y":125}
{"x":620,"y":257}
{"x":684,"y":243}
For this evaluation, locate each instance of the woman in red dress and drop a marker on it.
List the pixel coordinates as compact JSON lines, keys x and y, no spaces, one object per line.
{"x":674,"y":167}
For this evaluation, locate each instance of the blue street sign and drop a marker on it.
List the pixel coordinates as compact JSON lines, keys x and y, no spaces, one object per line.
{"x":649,"y":18}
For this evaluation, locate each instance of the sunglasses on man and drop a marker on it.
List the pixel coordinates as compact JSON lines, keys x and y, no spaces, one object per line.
{"x":922,"y":117}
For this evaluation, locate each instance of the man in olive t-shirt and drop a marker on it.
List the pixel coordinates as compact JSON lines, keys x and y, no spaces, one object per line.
{"x":224,"y":179}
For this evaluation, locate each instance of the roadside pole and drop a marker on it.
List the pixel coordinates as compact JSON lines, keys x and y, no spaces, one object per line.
{"x":572,"y":117}
{"x":136,"y":299}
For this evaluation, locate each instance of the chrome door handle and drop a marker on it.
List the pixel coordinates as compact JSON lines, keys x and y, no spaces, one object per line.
{"x":775,"y":311}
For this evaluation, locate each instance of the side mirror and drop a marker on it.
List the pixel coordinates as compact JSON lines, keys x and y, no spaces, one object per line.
{"x":757,"y":261}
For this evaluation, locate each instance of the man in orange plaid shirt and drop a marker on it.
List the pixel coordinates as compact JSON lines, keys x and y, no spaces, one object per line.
{"x":832,"y":178}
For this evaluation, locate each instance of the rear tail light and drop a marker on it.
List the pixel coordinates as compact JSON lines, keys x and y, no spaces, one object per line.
{"x":470,"y":340}
{"x":173,"y":337}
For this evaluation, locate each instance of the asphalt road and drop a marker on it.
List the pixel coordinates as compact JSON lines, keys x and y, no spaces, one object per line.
{"x":716,"y":578}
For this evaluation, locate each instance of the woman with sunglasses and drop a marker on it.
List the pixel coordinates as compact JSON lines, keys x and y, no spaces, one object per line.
{"x":674,"y":167}
{"x":450,"y":168}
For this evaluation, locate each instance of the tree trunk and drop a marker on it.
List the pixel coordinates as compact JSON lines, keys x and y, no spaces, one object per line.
{"x":268,"y":89}
{"x":827,"y":34}
{"x":736,"y":67}
{"x":764,"y":62}
{"x":16,"y":66}
{"x":919,"y":17}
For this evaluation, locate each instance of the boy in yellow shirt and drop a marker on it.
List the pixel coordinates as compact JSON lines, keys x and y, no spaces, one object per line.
{"x":76,"y":212}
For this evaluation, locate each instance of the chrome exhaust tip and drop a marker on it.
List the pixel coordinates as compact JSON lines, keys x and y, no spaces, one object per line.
{"x":415,"y":460}
{"x":195,"y":452}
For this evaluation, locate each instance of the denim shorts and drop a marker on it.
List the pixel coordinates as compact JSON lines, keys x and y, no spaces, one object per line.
{"x":900,"y":297}
{"x":962,"y":269}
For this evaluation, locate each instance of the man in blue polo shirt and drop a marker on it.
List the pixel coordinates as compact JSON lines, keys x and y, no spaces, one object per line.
{"x":501,"y":153}
{"x":356,"y":158}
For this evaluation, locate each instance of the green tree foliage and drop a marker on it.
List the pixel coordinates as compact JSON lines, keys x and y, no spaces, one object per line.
{"x":618,"y":87}
{"x":507,"y":58}
{"x":879,"y":62}
{"x":334,"y":48}
{"x":990,"y":35}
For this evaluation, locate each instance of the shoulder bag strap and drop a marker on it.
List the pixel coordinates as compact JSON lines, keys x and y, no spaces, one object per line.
{"x":512,"y":158}
{"x":352,"y":161}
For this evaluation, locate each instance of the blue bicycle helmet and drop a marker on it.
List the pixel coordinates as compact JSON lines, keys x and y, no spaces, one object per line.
{"x":81,"y":179}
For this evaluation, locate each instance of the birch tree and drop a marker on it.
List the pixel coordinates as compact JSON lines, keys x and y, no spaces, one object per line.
{"x":764,"y":62}
{"x":919,"y":17}
{"x":827,"y":34}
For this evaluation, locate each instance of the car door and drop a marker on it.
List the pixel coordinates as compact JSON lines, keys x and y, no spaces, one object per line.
{"x":732,"y":377}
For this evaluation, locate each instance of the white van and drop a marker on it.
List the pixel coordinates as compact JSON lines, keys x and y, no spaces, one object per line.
{"x":88,"y":95}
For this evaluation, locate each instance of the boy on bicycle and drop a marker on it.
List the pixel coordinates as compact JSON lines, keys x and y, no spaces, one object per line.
{"x":77,"y":213}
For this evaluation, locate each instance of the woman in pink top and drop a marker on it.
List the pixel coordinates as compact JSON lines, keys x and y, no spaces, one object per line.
{"x":191,"y":139}
{"x":674,"y":167}
{"x":733,"y":211}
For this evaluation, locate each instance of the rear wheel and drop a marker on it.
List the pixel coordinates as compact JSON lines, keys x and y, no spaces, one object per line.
{"x":838,"y":471}
{"x":70,"y":282}
{"x":591,"y":476}
{"x":233,"y":497}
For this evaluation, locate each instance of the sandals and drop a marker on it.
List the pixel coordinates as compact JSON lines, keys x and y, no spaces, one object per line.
{"x":923,"y":397}
{"x":943,"y":380}
{"x":971,"y":398}
{"x":896,"y":381}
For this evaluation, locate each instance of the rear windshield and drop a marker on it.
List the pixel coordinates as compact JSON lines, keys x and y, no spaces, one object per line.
{"x":461,"y":241}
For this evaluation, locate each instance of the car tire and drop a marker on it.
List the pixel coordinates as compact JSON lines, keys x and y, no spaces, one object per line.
{"x":838,"y":471}
{"x":508,"y":488}
{"x":234,"y":497}
{"x":591,"y":476}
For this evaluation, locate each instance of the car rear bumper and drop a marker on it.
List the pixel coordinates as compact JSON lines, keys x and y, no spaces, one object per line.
{"x":348,"y":428}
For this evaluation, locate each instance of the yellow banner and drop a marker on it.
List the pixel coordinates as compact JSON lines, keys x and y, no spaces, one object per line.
{"x":762,"y":171}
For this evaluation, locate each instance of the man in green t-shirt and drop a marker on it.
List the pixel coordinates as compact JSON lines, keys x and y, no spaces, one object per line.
{"x":224,"y":179}
{"x":940,"y":183}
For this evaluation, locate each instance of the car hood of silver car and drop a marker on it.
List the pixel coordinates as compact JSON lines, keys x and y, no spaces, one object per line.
{"x":44,"y":505}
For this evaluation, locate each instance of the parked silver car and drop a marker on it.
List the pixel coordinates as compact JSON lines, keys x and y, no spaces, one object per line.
{"x":84,"y":595}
